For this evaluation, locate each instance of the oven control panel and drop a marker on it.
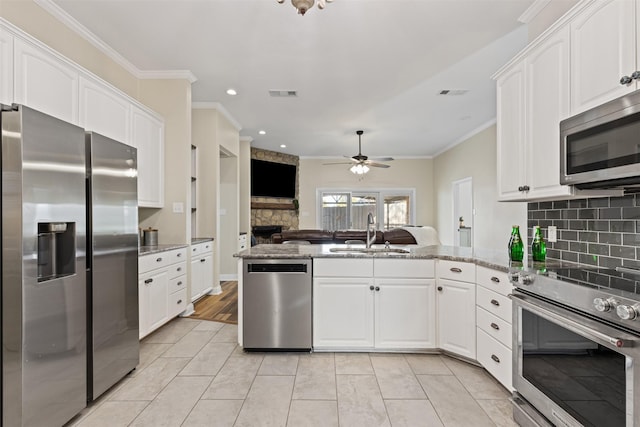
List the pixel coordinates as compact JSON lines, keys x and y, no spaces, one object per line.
{"x":625,"y":310}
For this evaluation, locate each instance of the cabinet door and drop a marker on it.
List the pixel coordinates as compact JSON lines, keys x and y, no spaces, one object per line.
{"x":547,"y":76}
{"x":45,"y":82}
{"x":343,"y":313}
{"x":603,"y":49}
{"x":148,"y":137}
{"x":103,"y":110}
{"x":457,"y":317}
{"x":405,"y":313}
{"x":197,"y":271}
{"x":511,"y":133}
{"x":6,"y":67}
{"x":154,"y":309}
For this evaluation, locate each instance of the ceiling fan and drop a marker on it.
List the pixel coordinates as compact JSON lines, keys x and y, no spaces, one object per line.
{"x":360,"y":163}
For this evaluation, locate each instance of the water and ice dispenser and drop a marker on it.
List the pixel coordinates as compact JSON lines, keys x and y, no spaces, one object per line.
{"x":56,"y":250}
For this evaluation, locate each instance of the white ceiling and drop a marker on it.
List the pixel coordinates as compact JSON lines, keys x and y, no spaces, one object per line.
{"x":376,"y":65}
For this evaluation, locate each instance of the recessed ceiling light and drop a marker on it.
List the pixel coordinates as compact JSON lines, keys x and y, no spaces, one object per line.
{"x":262,"y":132}
{"x":283,"y":146}
{"x":231,"y":92}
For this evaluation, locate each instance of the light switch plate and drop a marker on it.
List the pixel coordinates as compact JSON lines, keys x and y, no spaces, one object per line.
{"x":178,"y":207}
{"x":552,"y":234}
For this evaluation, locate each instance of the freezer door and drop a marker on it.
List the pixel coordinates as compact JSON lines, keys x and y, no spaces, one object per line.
{"x":43,"y":269}
{"x":112,"y":189}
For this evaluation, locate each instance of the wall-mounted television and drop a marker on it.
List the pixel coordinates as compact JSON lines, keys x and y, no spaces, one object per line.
{"x":270,"y":179}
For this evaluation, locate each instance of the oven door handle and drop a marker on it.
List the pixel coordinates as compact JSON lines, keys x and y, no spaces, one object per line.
{"x":576,"y":323}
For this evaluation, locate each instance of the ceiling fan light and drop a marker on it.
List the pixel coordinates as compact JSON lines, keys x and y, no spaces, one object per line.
{"x":302,"y":5}
{"x":359,"y":169}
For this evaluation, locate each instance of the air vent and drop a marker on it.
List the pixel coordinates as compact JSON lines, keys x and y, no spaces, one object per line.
{"x":453,"y":91}
{"x":283,"y":93}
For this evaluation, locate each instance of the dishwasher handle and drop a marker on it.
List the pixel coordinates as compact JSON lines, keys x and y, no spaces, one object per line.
{"x":277,"y":268}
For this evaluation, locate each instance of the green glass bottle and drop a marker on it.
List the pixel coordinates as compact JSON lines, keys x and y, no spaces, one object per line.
{"x":538,"y":247}
{"x":516,"y":247}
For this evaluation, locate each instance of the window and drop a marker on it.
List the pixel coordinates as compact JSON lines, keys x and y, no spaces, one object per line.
{"x":348,"y":209}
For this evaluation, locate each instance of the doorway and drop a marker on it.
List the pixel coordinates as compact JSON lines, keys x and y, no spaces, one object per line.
{"x":463,"y":212}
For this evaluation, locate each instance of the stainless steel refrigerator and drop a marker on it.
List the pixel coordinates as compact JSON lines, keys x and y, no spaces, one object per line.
{"x":112,"y":262}
{"x":46,"y":240}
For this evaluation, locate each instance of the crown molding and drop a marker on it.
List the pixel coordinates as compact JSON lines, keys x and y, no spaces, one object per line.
{"x":219,"y":108}
{"x":66,"y":19}
{"x":248,"y":139}
{"x":533,"y":10}
{"x":466,"y":136}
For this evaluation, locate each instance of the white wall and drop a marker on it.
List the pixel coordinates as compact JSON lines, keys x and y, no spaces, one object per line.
{"x":476,"y":157}
{"x":403,"y":173}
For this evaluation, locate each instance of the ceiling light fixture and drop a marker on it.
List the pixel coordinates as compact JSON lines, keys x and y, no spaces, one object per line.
{"x":359,"y":169}
{"x":231,"y":92}
{"x":283,"y":146}
{"x":303,"y":5}
{"x":262,"y":132}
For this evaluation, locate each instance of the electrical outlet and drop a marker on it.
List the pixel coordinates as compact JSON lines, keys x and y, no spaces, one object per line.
{"x":552,"y":234}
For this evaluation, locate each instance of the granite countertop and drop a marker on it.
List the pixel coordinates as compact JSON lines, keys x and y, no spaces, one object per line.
{"x":197,"y":240}
{"x":497,"y":260}
{"x":146,"y":250}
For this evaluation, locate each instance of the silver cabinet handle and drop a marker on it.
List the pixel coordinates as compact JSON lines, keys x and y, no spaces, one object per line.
{"x":203,"y":260}
{"x":495,"y":358}
{"x":194,"y":249}
{"x":179,"y":254}
{"x":496,"y":303}
{"x":494,"y":279}
{"x":179,"y":283}
{"x":625,"y":80}
{"x":148,"y":281}
{"x":179,"y":302}
{"x":158,"y":259}
{"x":494,"y":326}
{"x":455,"y":270}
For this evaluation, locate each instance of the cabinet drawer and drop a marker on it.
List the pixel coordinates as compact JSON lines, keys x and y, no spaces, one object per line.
{"x":351,"y":267}
{"x":494,"y":303}
{"x":160,"y":259}
{"x":455,"y":270}
{"x":176,"y":270}
{"x":177,"y":283}
{"x":201,"y":248}
{"x":496,"y":358}
{"x":416,"y":268}
{"x":177,"y":302}
{"x":494,"y":326}
{"x":497,"y":281}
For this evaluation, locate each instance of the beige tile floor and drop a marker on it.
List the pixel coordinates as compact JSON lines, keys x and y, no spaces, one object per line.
{"x":192,"y":373}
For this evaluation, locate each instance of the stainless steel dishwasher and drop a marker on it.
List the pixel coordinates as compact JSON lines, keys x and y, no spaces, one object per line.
{"x":276,"y":300}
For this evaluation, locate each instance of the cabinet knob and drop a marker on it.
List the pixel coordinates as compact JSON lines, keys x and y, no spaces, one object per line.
{"x":179,"y":269}
{"x":148,"y":281}
{"x":455,"y":270}
{"x":440,"y":288}
{"x":494,"y":326}
{"x":495,"y":302}
{"x":495,"y":358}
{"x":495,"y":279}
{"x":203,"y":260}
{"x":371,"y":288}
{"x":179,"y":302}
{"x":526,"y":188}
{"x":159,"y":259}
{"x":625,"y":80}
{"x":521,"y":188}
{"x":179,"y":254}
{"x":377,"y":288}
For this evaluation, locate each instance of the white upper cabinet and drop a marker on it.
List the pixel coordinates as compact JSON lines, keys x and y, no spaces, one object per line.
{"x":6,"y":67}
{"x":45,"y":82}
{"x":104,"y":110}
{"x":603,"y":50}
{"x":148,"y":137}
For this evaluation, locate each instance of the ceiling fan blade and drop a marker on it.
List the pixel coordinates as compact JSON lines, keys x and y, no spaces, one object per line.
{"x":381,"y":159}
{"x":375,"y":164}
{"x":338,"y":163}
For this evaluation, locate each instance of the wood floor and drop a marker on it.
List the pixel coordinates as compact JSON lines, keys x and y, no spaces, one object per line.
{"x":220,"y":308}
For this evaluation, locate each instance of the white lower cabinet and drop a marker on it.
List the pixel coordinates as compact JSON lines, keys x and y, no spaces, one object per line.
{"x":457,"y":317}
{"x":353,"y":308}
{"x":162,"y":288}
{"x":201,"y":269}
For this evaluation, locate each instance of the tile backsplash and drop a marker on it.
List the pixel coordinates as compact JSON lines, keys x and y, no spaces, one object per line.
{"x":603,"y":232}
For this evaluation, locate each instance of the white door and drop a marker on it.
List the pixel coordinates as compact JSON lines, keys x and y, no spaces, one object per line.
{"x":405,"y":314}
{"x":103,"y":110}
{"x":511,"y":133}
{"x":45,"y":82}
{"x":154,"y":300}
{"x":148,"y":137}
{"x":343,"y":312}
{"x":547,"y":76}
{"x":6,"y":67}
{"x":603,"y":50}
{"x":197,"y":272}
{"x":457,"y":317}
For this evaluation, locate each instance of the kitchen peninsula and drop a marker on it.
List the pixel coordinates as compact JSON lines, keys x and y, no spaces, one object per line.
{"x":404,"y":299}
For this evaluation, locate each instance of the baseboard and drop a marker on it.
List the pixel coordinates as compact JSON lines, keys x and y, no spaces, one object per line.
{"x":228,"y":277}
{"x":188,"y":311}
{"x":216,"y":290}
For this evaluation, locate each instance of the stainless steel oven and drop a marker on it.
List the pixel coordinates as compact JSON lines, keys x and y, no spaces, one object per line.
{"x":599,"y":148}
{"x":576,"y":352}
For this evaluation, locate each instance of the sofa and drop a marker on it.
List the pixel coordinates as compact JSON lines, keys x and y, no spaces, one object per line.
{"x":395,"y":236}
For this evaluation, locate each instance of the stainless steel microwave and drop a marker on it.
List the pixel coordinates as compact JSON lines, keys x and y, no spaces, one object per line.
{"x":600,"y":148}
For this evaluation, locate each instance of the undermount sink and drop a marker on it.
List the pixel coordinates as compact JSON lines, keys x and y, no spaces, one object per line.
{"x":370,"y":250}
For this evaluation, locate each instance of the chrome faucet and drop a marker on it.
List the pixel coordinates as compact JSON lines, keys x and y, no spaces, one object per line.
{"x":370,"y":238}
